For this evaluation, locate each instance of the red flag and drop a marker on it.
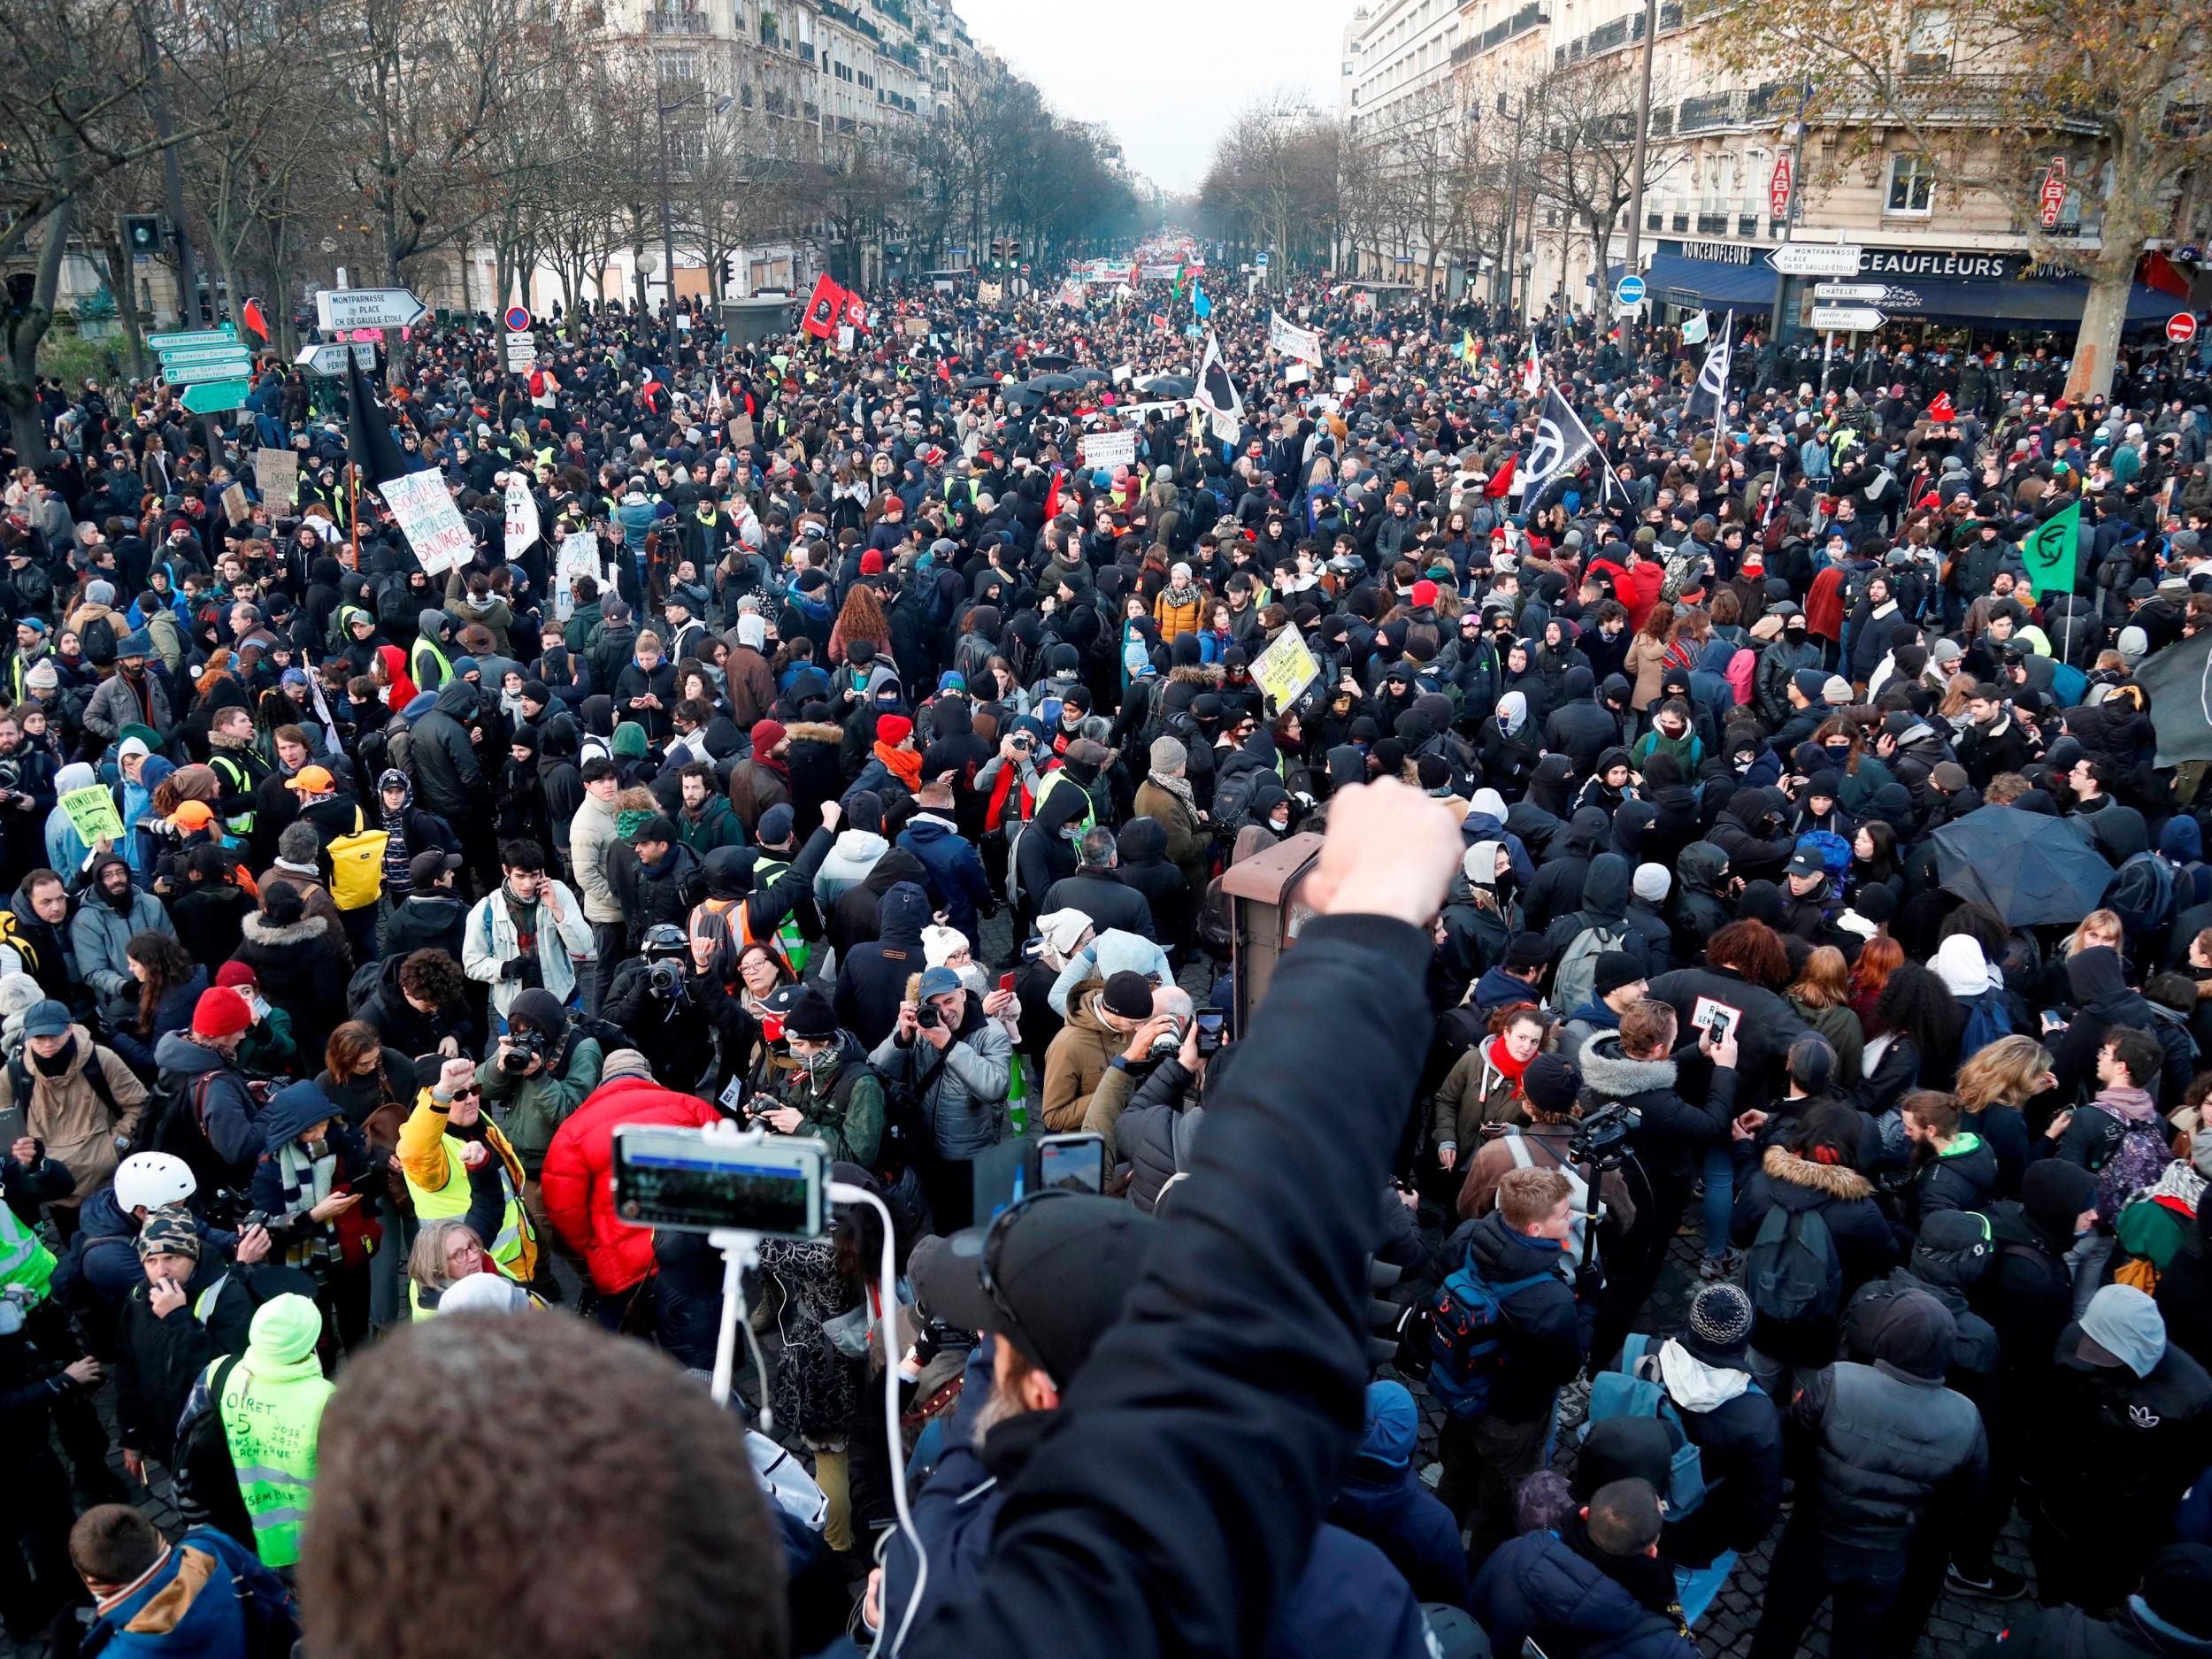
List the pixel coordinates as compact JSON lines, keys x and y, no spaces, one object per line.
{"x":250,"y":314}
{"x":855,"y":309}
{"x":822,"y":308}
{"x":1052,"y":498}
{"x":1941,"y":409}
{"x":1501,"y":482}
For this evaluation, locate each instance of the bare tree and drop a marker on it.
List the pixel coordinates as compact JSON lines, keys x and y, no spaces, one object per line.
{"x":1582,"y":151}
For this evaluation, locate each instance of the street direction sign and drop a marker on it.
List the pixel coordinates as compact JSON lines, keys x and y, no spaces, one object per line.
{"x":1851,"y":293}
{"x":1848,"y":318}
{"x":329,"y":360}
{"x":1630,"y":290}
{"x":224,"y":335}
{"x":211,"y":397}
{"x":368,"y":308}
{"x":518,"y":319}
{"x":1816,"y":258}
{"x":206,"y":365}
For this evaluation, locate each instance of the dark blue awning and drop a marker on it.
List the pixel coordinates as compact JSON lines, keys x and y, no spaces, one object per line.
{"x":1675,"y":281}
{"x":2037,"y":300}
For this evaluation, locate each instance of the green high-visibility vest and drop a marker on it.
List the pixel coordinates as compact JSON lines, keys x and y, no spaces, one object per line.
{"x":23,"y":1258}
{"x":270,"y":1426}
{"x":797,"y":951}
{"x":1053,"y":780}
{"x":452,"y":1198}
{"x":414,"y":662}
{"x":233,"y":772}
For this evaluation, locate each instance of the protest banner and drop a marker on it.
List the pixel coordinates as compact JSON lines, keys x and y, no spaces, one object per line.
{"x":1109,"y":448}
{"x":742,"y":431}
{"x":1291,"y":341}
{"x":522,"y":516}
{"x":1285,"y":669}
{"x":236,"y":508}
{"x":92,"y":814}
{"x":278,"y":473}
{"x":578,"y":555}
{"x":429,"y":520}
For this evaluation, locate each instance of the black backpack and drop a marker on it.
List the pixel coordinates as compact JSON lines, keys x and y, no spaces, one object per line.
{"x":175,"y":1121}
{"x":905,"y":1131}
{"x":1792,"y":1269}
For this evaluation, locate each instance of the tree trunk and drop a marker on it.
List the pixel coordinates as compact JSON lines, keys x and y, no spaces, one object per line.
{"x":2111,"y":281}
{"x":26,"y":325}
{"x":122,"y":283}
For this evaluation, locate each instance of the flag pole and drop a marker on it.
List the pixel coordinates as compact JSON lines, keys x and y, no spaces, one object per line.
{"x":353,"y":514}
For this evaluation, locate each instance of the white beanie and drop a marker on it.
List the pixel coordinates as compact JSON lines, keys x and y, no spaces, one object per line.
{"x":1651,"y":883}
{"x":939,"y":943}
{"x":484,"y":1293}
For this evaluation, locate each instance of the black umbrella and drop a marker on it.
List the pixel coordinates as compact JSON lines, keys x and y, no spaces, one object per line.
{"x":977,"y":382}
{"x":1022,"y":395}
{"x":1092,"y":377}
{"x":1049,"y":360}
{"x":2027,"y":866}
{"x":1167,"y":385}
{"x":2179,"y":681}
{"x":1053,"y":383}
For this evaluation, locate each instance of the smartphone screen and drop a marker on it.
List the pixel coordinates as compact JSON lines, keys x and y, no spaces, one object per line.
{"x":1078,"y":1161}
{"x":15,"y":1123}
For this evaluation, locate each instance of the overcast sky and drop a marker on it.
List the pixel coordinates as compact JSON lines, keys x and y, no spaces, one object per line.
{"x":1168,"y":75}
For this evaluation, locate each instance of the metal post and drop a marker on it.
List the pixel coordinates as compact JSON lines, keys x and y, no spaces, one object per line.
{"x":1630,"y":324}
{"x":1789,"y":223}
{"x":668,"y":231}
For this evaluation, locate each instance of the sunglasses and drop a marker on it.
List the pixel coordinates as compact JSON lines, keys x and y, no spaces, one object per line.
{"x":470,"y":1093}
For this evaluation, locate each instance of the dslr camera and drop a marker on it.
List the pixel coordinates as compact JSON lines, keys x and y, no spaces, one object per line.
{"x":665,"y":983}
{"x":524,"y":1046}
{"x":1601,"y":1138}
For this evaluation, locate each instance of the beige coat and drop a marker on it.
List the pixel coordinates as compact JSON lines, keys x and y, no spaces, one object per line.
{"x":70,"y":1118}
{"x":1079,"y":1056}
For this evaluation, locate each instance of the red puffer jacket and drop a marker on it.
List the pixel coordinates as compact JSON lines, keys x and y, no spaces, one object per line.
{"x":580,"y":1200}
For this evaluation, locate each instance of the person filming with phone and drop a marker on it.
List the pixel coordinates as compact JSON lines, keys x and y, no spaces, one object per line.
{"x":958,"y":1062}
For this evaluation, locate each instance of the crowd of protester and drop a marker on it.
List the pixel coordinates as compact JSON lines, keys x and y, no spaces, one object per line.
{"x":848,"y":757}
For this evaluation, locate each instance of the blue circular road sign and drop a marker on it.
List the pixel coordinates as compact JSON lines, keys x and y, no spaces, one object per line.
{"x":1629,"y":290}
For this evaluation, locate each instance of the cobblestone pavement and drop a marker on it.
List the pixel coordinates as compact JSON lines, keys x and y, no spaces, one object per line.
{"x":1958,"y":1625}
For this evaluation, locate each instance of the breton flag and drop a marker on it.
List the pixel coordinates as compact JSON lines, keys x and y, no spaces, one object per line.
{"x":1709,"y":396}
{"x":1216,"y":392}
{"x":1562,"y":443}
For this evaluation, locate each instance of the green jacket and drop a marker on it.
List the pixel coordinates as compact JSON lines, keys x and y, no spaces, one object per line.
{"x":715,"y":826}
{"x":577,"y":628}
{"x":852,"y":1126}
{"x":529,"y":1109}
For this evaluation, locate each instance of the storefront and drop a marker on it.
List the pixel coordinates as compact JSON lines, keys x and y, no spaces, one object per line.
{"x":1928,"y":292}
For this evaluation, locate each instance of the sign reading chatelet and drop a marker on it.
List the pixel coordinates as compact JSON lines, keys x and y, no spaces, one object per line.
{"x":1285,"y":669}
{"x":1109,"y":448}
{"x":1291,"y":341}
{"x":429,"y":520}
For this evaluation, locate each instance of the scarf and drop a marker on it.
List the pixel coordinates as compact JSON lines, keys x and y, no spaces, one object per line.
{"x":307,"y":1177}
{"x":1181,"y":597}
{"x":905,"y":765}
{"x":2130,"y":1105}
{"x":1501,"y":1059}
{"x":1179,"y":787}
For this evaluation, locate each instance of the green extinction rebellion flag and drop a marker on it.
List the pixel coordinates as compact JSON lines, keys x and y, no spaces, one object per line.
{"x":2051,"y":549}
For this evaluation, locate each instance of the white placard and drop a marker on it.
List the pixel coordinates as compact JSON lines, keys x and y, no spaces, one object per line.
{"x":1291,"y":341}
{"x":1342,"y":383}
{"x":278,"y":473}
{"x":522,"y":516}
{"x":1109,"y":448}
{"x":430,"y":521}
{"x":578,"y":557}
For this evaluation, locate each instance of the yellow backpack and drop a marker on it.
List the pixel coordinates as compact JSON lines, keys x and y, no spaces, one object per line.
{"x":357,"y":866}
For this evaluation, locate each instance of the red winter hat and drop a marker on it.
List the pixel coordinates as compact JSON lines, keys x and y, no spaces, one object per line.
{"x":221,"y":1012}
{"x":1425,"y":593}
{"x":893,"y":729}
{"x":766,"y":735}
{"x":236,"y":973}
{"x":871,"y":562}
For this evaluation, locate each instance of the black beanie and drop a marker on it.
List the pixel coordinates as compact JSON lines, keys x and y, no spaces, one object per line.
{"x":1550,"y":1084}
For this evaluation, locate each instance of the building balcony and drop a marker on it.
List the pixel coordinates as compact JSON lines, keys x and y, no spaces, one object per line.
{"x":665,"y":21}
{"x":1712,"y":224}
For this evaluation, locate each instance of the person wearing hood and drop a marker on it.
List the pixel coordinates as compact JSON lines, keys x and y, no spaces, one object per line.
{"x":1143,"y":864}
{"x":1749,"y":831}
{"x":1894,"y":1450}
{"x":871,"y":977}
{"x":2124,"y":1425}
{"x":65,"y":850}
{"x":430,"y":659}
{"x":1953,"y":1168}
{"x":314,"y":1173}
{"x":1384,"y":1502}
{"x":249,"y":1433}
{"x":112,"y":913}
{"x":1558,"y":884}
{"x":1698,"y":908}
{"x":1582,"y":727}
{"x":1479,"y":919}
{"x":1607,"y":889}
{"x":859,"y":846}
{"x":409,"y":830}
{"x":1511,"y":745}
{"x":442,"y":759}
{"x":2096,"y":980}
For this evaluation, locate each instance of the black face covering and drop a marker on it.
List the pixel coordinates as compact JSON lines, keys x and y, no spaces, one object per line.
{"x":59,"y":1063}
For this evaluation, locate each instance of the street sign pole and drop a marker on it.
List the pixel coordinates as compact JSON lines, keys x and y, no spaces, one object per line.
{"x":1789,"y":222}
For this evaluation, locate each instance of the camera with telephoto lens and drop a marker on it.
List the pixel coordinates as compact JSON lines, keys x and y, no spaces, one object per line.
{"x":664,"y":982}
{"x":1601,"y":1138}
{"x":524,"y":1046}
{"x":1167,"y":1043}
{"x":927,"y":1018}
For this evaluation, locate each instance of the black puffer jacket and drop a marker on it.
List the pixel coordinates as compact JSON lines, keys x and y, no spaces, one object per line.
{"x":1547,"y":1330}
{"x":1558,"y":885}
{"x":1748,"y":832}
{"x":1865,"y":1247}
{"x":1581,"y":727}
{"x":1892,"y":1439}
{"x":442,"y":761}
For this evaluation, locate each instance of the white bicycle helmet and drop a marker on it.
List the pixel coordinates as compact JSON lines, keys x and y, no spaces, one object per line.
{"x":150,"y":1179}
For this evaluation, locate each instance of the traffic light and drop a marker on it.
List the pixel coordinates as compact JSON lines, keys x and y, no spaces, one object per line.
{"x":727,"y":266}
{"x":142,"y":233}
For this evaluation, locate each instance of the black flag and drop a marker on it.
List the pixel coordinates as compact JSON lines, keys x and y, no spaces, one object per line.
{"x":369,"y":442}
{"x":1563,"y":443}
{"x":1709,"y":396}
{"x":1216,"y":392}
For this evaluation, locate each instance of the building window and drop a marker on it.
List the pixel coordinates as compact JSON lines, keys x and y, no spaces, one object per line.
{"x":1928,"y":45}
{"x":1911,"y":184}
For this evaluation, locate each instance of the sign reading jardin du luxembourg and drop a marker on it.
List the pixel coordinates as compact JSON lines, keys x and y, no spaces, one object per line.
{"x":1926,"y":264}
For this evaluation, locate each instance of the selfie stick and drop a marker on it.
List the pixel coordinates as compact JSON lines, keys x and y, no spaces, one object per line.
{"x":844,"y":1193}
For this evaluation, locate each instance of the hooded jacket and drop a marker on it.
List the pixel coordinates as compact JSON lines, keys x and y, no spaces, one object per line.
{"x":1671,"y":1131}
{"x":65,"y":1111}
{"x":1865,"y":1246}
{"x":1749,"y":833}
{"x":1892,"y":1439}
{"x":1537,"y":1587}
{"x":442,"y":761}
{"x":1558,"y":885}
{"x":100,"y":931}
{"x":871,"y":977}
{"x":1581,"y":727}
{"x":957,"y":879}
{"x":1547,"y":1329}
{"x":1605,"y":894}
{"x":302,"y":968}
{"x":226,"y":1106}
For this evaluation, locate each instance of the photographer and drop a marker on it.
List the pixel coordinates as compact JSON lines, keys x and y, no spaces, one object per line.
{"x":538,"y":1075}
{"x":952,"y":1053}
{"x":1549,"y":1087}
{"x":671,"y":1008}
{"x":1152,"y":1131}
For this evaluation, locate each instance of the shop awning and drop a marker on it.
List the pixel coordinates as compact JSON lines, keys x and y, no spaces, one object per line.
{"x":2048,"y":301}
{"x":1675,"y":281}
